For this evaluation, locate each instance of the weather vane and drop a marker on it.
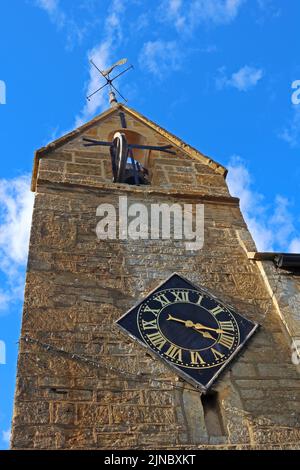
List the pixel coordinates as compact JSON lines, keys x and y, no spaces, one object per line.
{"x":125,"y":168}
{"x":109,"y":81}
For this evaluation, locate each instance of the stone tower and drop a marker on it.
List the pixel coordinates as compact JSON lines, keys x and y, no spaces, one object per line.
{"x":81,"y":383}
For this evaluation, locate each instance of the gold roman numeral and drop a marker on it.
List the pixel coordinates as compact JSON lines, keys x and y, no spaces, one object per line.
{"x":148,"y":325}
{"x":226,"y":341}
{"x":217,"y":354}
{"x":199,"y":299}
{"x":151,"y":310}
{"x":162,"y":299}
{"x":196,"y":358}
{"x":174,"y":352}
{"x":181,"y":296}
{"x":226,"y":325}
{"x":157,"y":340}
{"x":216,"y":310}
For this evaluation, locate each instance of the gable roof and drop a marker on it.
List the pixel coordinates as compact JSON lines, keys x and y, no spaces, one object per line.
{"x":188,"y":149}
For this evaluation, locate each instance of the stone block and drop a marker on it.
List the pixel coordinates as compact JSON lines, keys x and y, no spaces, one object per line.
{"x":92,"y":414}
{"x":33,"y":412}
{"x":142,"y":414}
{"x":64,"y":413}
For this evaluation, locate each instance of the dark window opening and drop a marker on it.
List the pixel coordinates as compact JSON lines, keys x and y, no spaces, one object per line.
{"x":135,"y":173}
{"x":212,"y":414}
{"x":289,"y":262}
{"x":136,"y":170}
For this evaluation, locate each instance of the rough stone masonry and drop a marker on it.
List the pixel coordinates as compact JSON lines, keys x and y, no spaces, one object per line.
{"x":82,"y":384}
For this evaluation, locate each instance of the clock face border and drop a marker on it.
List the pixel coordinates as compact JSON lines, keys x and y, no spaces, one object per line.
{"x":172,"y":365}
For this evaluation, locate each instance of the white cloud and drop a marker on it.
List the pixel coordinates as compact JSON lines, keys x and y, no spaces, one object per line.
{"x":269,"y":8}
{"x":48,"y":5}
{"x":16,"y":203}
{"x":160,"y":57}
{"x":271,"y":225}
{"x":186,"y":16}
{"x":52,"y":8}
{"x":6,"y":436}
{"x":295,"y":245}
{"x":5,"y":298}
{"x":16,"y":209}
{"x":102,"y":55}
{"x":75,"y":25}
{"x":245,"y":78}
{"x":291,"y":133}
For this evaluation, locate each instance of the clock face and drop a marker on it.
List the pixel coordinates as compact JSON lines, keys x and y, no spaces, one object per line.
{"x":189,"y":328}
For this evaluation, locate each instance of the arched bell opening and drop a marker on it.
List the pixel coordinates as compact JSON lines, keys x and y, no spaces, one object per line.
{"x":136,"y":169}
{"x":130,"y":155}
{"x":134,"y":138}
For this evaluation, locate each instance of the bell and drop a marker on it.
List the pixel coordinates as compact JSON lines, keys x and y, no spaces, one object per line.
{"x":126,"y":168}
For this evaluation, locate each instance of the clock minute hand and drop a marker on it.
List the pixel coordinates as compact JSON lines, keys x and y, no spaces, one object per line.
{"x":176,"y":319}
{"x":197,"y":326}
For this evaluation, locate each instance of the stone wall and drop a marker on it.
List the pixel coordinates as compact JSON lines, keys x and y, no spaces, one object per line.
{"x":284,"y":289}
{"x":81,"y":383}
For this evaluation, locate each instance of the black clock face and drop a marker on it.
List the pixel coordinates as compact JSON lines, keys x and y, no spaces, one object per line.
{"x":189,"y":328}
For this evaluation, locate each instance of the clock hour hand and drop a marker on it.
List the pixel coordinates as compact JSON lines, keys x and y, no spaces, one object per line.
{"x":199,"y":326}
{"x":205,"y":334}
{"x":190,"y":324}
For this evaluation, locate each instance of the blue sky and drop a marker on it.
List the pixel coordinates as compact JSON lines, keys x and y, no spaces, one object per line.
{"x":217,"y":73}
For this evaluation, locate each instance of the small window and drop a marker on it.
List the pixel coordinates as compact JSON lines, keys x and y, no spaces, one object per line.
{"x":212,"y":414}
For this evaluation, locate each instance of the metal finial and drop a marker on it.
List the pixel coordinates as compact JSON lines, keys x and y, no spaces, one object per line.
{"x":112,"y":99}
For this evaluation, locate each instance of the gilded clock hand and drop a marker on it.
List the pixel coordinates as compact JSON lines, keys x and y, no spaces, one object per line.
{"x":179,"y":320}
{"x":190,"y":324}
{"x":203,"y":333}
{"x":198,"y":326}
